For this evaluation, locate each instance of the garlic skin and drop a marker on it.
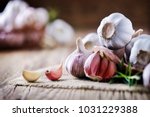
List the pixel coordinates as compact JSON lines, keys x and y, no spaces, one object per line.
{"x":75,"y":61}
{"x":140,"y":52}
{"x":91,"y":40}
{"x":146,"y":76}
{"x":98,"y":66}
{"x":115,"y":31}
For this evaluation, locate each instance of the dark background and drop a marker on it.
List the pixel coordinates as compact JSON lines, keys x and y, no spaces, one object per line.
{"x":88,"y":13}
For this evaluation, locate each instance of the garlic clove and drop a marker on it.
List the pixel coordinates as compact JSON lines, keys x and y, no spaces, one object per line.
{"x":109,"y":54}
{"x":146,"y":76}
{"x":98,"y":66}
{"x":103,"y":67}
{"x":91,"y":66}
{"x":75,"y":61}
{"x":54,"y":74}
{"x":115,"y":31}
{"x":111,"y":70}
{"x":31,"y":76}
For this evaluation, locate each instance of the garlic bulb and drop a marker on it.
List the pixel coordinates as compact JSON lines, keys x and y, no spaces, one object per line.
{"x":140,"y":52}
{"x":91,"y":40}
{"x":115,"y":31}
{"x":146,"y":76}
{"x":9,"y":14}
{"x":129,"y":46}
{"x":61,"y":32}
{"x":18,"y":15}
{"x":75,"y":61}
{"x":100,"y":65}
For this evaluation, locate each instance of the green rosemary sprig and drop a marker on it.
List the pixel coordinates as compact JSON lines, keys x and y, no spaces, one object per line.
{"x":125,"y":75}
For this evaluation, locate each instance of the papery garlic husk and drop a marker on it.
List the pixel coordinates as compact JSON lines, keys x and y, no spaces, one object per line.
{"x":146,"y":76}
{"x":140,"y":52}
{"x":115,"y":31}
{"x":129,"y":46}
{"x":99,"y":66}
{"x":91,"y":40}
{"x":75,"y":61}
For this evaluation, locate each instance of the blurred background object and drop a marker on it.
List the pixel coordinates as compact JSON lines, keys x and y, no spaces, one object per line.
{"x":85,"y":15}
{"x":88,"y":13}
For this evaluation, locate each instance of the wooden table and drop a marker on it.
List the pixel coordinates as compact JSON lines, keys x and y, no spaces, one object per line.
{"x":13,"y":86}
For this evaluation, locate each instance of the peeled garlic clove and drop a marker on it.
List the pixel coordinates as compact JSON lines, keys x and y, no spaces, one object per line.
{"x":54,"y":74}
{"x":115,"y":31}
{"x":140,"y":52}
{"x":31,"y":76}
{"x":75,"y":61}
{"x":91,"y":40}
{"x":146,"y":76}
{"x":99,"y":66}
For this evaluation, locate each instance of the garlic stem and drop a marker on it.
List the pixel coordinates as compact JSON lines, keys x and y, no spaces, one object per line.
{"x":108,"y":30}
{"x":137,"y":33}
{"x":80,"y":46}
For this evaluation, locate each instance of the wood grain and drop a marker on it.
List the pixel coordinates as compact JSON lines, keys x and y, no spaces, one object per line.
{"x":67,"y":88}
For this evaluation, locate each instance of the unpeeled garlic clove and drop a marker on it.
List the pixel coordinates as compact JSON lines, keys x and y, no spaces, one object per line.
{"x":115,"y":31}
{"x":146,"y":76}
{"x":99,"y":66}
{"x":75,"y":61}
{"x":31,"y":76}
{"x":54,"y":74}
{"x":109,"y":53}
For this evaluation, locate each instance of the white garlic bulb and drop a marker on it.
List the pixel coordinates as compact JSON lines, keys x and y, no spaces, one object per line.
{"x":140,"y":52}
{"x":25,"y":18}
{"x":61,"y":31}
{"x":129,"y":46}
{"x":10,"y":12}
{"x":115,"y":31}
{"x":18,"y":15}
{"x":91,"y":40}
{"x":74,"y":63}
{"x":40,"y":22}
{"x":146,"y":76}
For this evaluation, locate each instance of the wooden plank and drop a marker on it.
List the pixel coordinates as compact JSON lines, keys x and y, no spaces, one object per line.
{"x":12,"y":63}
